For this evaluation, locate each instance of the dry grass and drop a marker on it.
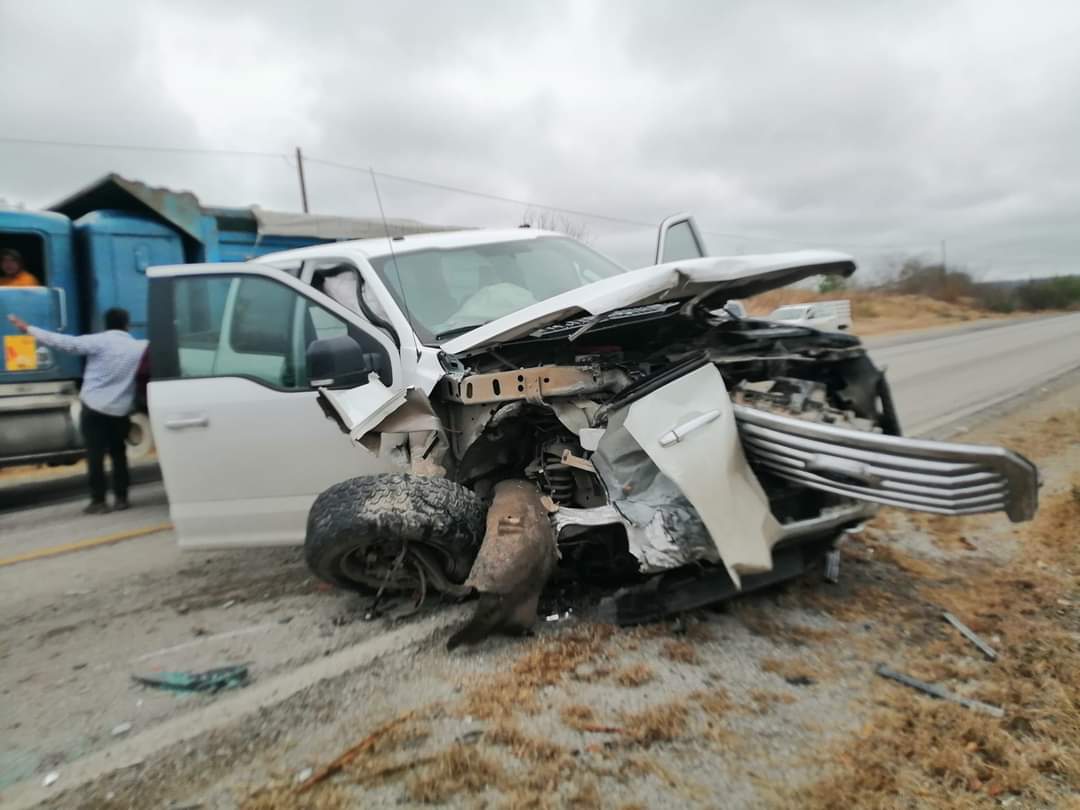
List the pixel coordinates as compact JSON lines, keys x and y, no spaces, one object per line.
{"x":875,"y":312}
{"x":545,"y":663}
{"x":634,"y":676}
{"x":681,"y":652}
{"x":586,"y":796}
{"x":926,"y":753}
{"x":521,"y":745}
{"x":661,"y":723}
{"x":762,"y":700}
{"x":457,"y":769}
{"x":714,"y":702}
{"x":281,"y":795}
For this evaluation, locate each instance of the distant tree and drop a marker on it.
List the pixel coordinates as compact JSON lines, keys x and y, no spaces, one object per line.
{"x":547,"y":220}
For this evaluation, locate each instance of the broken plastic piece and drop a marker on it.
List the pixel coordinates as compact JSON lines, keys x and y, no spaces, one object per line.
{"x":936,"y":691}
{"x":212,"y":680}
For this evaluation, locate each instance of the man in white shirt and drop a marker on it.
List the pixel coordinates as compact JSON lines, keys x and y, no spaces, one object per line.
{"x":107,"y":395}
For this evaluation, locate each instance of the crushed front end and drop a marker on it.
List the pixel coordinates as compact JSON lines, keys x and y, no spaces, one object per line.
{"x":712,"y":453}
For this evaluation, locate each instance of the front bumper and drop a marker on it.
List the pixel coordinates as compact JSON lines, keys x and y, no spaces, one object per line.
{"x":927,"y":476}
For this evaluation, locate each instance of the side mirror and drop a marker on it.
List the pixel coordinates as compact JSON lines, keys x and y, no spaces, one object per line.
{"x":338,"y":361}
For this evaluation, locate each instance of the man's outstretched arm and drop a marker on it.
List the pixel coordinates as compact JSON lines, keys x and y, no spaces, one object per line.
{"x":84,"y":344}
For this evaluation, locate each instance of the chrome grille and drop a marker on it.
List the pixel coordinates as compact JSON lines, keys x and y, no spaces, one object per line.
{"x":940,"y":477}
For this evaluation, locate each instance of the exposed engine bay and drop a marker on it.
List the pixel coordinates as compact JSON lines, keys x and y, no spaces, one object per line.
{"x":551,"y":409}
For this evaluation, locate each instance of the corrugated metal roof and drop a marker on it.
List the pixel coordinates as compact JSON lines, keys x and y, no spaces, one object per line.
{"x":279,"y":223}
{"x":183,"y":210}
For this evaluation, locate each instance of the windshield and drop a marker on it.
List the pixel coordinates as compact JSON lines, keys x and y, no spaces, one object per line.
{"x":449,"y":291}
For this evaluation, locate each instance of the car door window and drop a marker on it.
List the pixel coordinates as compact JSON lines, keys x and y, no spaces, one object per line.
{"x":680,"y":243}
{"x":254,"y":327}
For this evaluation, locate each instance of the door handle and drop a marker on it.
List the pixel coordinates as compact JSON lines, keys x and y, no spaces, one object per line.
{"x":677,"y":434}
{"x":187,"y":422}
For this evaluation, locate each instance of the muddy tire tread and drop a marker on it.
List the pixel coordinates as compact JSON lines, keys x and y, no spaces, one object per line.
{"x":439,"y":513}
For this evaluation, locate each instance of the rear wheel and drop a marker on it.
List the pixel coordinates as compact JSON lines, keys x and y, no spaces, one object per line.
{"x":395,"y":533}
{"x":140,"y":441}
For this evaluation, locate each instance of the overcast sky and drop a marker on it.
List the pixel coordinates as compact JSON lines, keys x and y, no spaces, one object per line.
{"x":874,"y":127}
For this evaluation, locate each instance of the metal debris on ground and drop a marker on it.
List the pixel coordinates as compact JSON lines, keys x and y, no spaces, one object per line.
{"x":123,"y":728}
{"x":939,"y":692}
{"x":212,"y":680}
{"x":971,"y":636}
{"x":832,"y":566}
{"x":50,"y":778}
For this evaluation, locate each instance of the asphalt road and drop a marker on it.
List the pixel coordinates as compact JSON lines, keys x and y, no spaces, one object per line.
{"x":941,"y":376}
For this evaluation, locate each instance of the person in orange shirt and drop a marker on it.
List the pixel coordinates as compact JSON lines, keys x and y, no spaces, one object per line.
{"x":13,"y":272}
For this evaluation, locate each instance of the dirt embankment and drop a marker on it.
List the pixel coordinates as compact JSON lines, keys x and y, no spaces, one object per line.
{"x":876,"y":313}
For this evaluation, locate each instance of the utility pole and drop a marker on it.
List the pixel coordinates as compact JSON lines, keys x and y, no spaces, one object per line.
{"x":303,"y":186}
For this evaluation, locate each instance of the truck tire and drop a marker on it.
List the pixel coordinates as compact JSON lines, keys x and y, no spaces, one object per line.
{"x":358,"y":529}
{"x":140,"y":441}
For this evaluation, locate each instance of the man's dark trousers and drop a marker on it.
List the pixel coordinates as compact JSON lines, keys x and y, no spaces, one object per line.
{"x":105,"y":434}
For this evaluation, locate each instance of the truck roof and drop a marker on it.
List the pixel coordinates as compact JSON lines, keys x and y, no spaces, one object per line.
{"x":380,"y":247}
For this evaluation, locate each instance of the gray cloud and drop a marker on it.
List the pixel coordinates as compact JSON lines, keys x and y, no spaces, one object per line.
{"x":876,"y":128}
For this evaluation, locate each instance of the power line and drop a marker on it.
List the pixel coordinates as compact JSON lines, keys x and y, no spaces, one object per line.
{"x":589,"y":214}
{"x":482,"y":194}
{"x":777,"y":240}
{"x":126,"y":147}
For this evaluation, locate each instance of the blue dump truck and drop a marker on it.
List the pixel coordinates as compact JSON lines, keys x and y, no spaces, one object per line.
{"x":90,"y":252}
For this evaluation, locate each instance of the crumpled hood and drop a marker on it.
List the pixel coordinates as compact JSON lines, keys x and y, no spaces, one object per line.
{"x":722,"y":278}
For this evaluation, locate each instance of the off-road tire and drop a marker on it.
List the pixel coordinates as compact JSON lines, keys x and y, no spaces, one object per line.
{"x":435,"y":514}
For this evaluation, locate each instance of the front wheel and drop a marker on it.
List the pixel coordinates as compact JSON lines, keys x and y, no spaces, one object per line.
{"x":396,"y":533}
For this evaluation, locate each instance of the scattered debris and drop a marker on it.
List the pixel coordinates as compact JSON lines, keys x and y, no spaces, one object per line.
{"x":229,"y":604}
{"x":970,"y":635}
{"x":352,"y":753}
{"x":212,"y":680}
{"x":793,"y":671}
{"x":50,"y":778}
{"x":832,"y":566}
{"x":305,"y":774}
{"x":121,"y":729}
{"x":936,"y":691}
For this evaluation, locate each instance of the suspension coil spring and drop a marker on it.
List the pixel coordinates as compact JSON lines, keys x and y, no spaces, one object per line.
{"x":559,"y":477}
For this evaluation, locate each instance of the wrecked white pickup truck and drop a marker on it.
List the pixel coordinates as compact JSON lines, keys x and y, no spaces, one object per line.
{"x":678,"y":452}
